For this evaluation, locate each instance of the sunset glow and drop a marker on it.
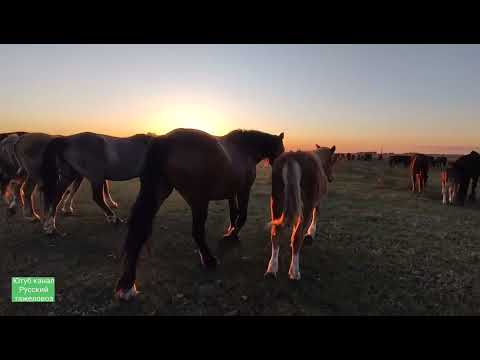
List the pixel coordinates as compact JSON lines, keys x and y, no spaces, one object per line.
{"x":398,"y":98}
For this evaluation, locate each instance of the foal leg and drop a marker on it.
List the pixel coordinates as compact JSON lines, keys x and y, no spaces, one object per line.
{"x":276,"y":212}
{"x":312,"y":229}
{"x":97,"y":193}
{"x":151,"y":196}
{"x":107,"y":196}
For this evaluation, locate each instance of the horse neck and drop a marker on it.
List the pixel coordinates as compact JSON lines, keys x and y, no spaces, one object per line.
{"x":253,"y":151}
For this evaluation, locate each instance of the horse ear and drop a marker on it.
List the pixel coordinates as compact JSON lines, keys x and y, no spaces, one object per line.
{"x":318,"y":147}
{"x":281,"y":136}
{"x":332,"y":150}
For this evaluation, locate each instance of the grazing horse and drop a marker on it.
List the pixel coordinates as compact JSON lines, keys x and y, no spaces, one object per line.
{"x":299,"y":182}
{"x":419,"y":172}
{"x":202,"y":168}
{"x":450,"y":180}
{"x":467,"y":168}
{"x":93,"y":156}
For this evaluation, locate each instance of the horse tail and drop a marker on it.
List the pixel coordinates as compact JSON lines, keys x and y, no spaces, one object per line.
{"x":292,"y":201}
{"x":49,"y":171}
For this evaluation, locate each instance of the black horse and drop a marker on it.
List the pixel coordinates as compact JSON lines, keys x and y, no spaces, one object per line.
{"x":201,"y":167}
{"x":467,"y":169}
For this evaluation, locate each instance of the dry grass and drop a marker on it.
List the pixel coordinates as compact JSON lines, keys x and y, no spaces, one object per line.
{"x":381,"y":250}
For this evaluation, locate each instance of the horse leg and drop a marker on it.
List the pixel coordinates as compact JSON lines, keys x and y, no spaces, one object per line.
{"x":69,"y":195}
{"x":107,"y":196}
{"x":462,"y":191}
{"x":233,"y":208}
{"x":28,"y":200}
{"x":298,"y":234}
{"x":97,"y":193}
{"x":413,"y":178}
{"x":199,"y":217}
{"x":51,"y":204}
{"x":472,"y":190}
{"x":312,"y":229}
{"x":150,"y":198}
{"x":276,"y":212}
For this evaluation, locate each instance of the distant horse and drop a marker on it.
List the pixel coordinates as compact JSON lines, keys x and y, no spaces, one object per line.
{"x":467,"y":169}
{"x":93,"y":156}
{"x":440,"y":161}
{"x":399,"y":159}
{"x":299,"y":182}
{"x":419,"y":172}
{"x":201,"y":167}
{"x":450,"y":181}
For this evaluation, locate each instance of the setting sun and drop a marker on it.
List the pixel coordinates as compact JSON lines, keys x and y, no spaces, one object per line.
{"x":188,"y":116}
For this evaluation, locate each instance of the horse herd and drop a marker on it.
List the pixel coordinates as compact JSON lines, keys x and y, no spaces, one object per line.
{"x":200,"y":166}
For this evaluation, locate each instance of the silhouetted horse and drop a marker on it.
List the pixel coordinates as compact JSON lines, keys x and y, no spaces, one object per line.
{"x":201,"y":167}
{"x":419,"y":171}
{"x":440,"y":161}
{"x":399,"y":159}
{"x":467,"y":169}
{"x":25,"y":155}
{"x":93,"y":156}
{"x":299,"y":182}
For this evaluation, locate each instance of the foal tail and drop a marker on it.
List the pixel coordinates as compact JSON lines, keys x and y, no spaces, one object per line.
{"x":292,"y":201}
{"x":49,"y":169}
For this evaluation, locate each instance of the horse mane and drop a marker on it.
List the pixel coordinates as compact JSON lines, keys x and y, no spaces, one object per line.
{"x":253,"y":139}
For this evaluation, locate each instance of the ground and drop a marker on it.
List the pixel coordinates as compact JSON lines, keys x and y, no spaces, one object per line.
{"x":381,"y":250}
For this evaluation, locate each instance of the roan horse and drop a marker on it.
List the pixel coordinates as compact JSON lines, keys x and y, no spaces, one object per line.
{"x":93,"y":156}
{"x":23,"y":155}
{"x":201,"y":167}
{"x":299,"y":182}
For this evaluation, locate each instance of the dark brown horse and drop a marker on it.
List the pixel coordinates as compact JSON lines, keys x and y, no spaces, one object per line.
{"x":467,"y":169}
{"x":419,"y":171}
{"x":201,"y":167}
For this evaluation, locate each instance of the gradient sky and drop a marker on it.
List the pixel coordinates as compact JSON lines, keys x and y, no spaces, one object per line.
{"x":423,"y":98}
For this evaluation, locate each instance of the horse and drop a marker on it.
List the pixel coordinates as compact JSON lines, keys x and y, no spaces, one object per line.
{"x":28,"y":150}
{"x":95,"y":157}
{"x":202,"y":168}
{"x":399,"y":159}
{"x":299,"y":182}
{"x":419,"y":172}
{"x":450,"y":181}
{"x":9,"y":171}
{"x":467,"y":169}
{"x":440,"y":161}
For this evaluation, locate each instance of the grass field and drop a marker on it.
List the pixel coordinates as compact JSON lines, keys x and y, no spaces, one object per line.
{"x":381,"y":250}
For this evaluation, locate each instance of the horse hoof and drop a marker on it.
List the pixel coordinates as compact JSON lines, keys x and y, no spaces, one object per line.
{"x":114,"y":205}
{"x":68,"y":213}
{"x":270,"y":275}
{"x":11,"y":212}
{"x":308,"y":240}
{"x":210,"y":263}
{"x":127,"y":295}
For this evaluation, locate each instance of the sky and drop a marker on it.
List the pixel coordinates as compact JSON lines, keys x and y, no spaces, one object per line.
{"x":395,"y":98}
